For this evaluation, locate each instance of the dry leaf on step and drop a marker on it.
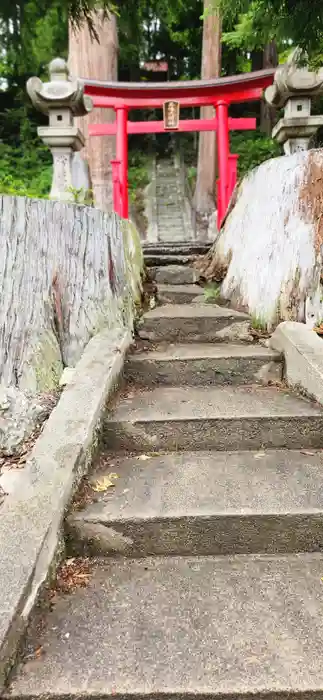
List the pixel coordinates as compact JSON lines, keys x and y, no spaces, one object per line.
{"x":259,"y":455}
{"x":308,"y":452}
{"x":104,"y":483}
{"x":143,"y":458}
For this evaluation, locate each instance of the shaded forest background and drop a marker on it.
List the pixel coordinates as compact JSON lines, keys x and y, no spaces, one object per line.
{"x":217,"y":37}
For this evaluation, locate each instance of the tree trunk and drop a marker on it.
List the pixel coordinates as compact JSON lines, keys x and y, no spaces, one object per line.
{"x":267,"y":112}
{"x":204,"y":198}
{"x":89,"y":58}
{"x":66,"y":271}
{"x":275,"y":228}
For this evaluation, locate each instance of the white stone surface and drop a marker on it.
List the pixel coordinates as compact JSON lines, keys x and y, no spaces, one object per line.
{"x":271,"y":242}
{"x":67,"y":376}
{"x":303,"y":352}
{"x":19,"y":416}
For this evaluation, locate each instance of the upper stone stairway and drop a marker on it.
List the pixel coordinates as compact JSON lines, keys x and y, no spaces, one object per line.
{"x":172,"y":210}
{"x":173,"y":245}
{"x":205,"y":559}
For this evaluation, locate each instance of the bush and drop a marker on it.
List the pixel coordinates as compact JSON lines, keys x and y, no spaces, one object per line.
{"x":253,"y":148}
{"x":25,"y":170}
{"x":138,"y":176}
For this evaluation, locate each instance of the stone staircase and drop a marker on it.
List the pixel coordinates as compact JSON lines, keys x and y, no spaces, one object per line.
{"x":171,"y":267}
{"x":173,"y":217}
{"x":205,"y":557}
{"x":172,"y":246}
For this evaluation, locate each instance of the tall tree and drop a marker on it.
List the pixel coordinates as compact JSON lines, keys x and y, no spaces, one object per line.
{"x":267,"y":112}
{"x":211,"y":68}
{"x":96,"y":57}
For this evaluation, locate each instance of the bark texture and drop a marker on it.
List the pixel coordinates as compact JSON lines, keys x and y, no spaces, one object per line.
{"x":66,"y":272}
{"x":268,"y":253}
{"x":89,"y":58}
{"x":204,"y":198}
{"x":268,"y":114}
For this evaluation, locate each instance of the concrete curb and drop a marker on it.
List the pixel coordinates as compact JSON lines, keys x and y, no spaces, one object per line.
{"x":31,"y":517}
{"x":303,"y":352}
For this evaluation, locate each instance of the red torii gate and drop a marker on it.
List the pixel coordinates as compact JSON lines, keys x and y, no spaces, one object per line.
{"x":219,"y":93}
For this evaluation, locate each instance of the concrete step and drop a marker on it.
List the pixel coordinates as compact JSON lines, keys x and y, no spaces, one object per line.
{"x":188,"y":323}
{"x":178,"y":247}
{"x":169,"y":259}
{"x":174,"y":274}
{"x":204,"y":364}
{"x":220,"y":418}
{"x":179,"y":293}
{"x":164,"y":233}
{"x":209,"y":628}
{"x":166,"y":197}
{"x":170,"y":223}
{"x":189,"y":504}
{"x":169,"y":200}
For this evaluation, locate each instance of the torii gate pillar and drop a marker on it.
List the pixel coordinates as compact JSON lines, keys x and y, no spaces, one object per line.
{"x":122,"y":157}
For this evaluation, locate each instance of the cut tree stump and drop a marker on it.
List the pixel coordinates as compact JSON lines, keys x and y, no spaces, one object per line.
{"x":268,"y":254}
{"x":66,"y":271}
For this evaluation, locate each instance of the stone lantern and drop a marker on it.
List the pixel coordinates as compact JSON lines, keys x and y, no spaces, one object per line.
{"x":293,"y":88}
{"x":62,"y":99}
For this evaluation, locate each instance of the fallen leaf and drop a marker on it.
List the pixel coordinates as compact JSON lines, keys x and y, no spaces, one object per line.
{"x":38,"y":652}
{"x":72,"y":574}
{"x":308,"y":452}
{"x":259,"y":455}
{"x":143,"y":458}
{"x":105,"y":482}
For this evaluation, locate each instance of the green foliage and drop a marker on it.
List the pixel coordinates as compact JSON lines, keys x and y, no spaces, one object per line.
{"x":191,"y":176}
{"x":259,"y":21}
{"x":138,"y":176}
{"x":253,"y":148}
{"x":211,"y":291}
{"x":25,"y":168}
{"x":258,"y":324}
{"x":81,"y":196}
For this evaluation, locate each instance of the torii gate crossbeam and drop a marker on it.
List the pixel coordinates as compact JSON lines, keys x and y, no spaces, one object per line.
{"x":219,"y":93}
{"x":185,"y":125}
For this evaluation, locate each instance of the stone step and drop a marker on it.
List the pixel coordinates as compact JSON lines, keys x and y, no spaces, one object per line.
{"x":188,"y":323}
{"x":205,"y":503}
{"x":168,"y":197}
{"x":174,"y":229}
{"x":179,"y":293}
{"x":170,"y":209}
{"x":204,"y":364}
{"x":169,"y":201}
{"x":164,"y":234}
{"x":169,"y":259}
{"x":168,"y":216}
{"x":209,"y":628}
{"x":170,"y":223}
{"x":220,"y":418}
{"x":178,"y":248}
{"x":174,"y":274}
